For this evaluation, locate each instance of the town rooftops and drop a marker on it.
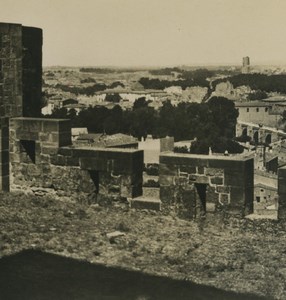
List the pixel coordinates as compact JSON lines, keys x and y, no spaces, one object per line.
{"x":103,"y":140}
{"x":252,"y":104}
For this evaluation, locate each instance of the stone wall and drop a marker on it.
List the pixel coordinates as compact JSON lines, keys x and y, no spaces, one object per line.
{"x":226,"y":183}
{"x":42,"y":156}
{"x":20,"y":70}
{"x":282,"y":193}
{"x":32,"y":39}
{"x":4,"y":154}
{"x":10,"y":70}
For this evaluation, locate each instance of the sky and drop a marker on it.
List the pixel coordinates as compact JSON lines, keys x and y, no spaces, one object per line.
{"x":154,"y":32}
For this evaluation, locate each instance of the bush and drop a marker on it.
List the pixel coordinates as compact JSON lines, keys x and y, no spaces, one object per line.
{"x":151,"y":183}
{"x":152,"y":169}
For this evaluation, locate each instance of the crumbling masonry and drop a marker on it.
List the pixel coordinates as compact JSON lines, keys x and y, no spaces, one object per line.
{"x":37,"y":152}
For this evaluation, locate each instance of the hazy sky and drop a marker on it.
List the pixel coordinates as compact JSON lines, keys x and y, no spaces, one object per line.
{"x":154,"y":32}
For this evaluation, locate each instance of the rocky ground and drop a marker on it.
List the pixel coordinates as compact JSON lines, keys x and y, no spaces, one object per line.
{"x":239,"y":255}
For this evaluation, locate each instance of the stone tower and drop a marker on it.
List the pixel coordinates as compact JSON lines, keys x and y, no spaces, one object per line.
{"x":20,"y":82}
{"x":245,"y":65}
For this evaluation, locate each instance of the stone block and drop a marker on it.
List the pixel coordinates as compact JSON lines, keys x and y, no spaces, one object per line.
{"x":31,"y":125}
{"x":216,"y":180}
{"x":188,"y":169}
{"x":214,"y":172}
{"x":181,"y":181}
{"x":224,"y":199}
{"x":66,"y":151}
{"x":49,"y":150}
{"x":26,"y":135}
{"x":92,"y":163}
{"x":233,"y":178}
{"x":72,"y":161}
{"x":50,"y":126}
{"x":237,"y":196}
{"x":222,"y":189}
{"x":141,"y":203}
{"x":202,"y":179}
{"x":167,"y":194}
{"x":192,"y":178}
{"x":227,"y":163}
{"x":165,"y":169}
{"x":59,"y":160}
{"x":210,"y":207}
{"x":200,"y":170}
{"x":44,"y":158}
{"x":166,"y":180}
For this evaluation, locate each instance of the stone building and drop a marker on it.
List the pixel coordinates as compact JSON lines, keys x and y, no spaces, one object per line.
{"x":21,"y":70}
{"x":245,"y":65}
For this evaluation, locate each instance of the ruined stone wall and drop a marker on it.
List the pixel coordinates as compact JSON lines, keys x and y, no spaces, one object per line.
{"x":32,"y":40}
{"x":282,"y":193}
{"x":42,"y":156}
{"x":20,"y":82}
{"x":10,"y":70}
{"x":228,"y":184}
{"x":4,"y":154}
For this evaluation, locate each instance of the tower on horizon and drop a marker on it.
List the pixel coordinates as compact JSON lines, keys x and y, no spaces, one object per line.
{"x":245,"y":65}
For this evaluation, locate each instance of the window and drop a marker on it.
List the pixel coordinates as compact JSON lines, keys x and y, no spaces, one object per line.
{"x":29,"y":148}
{"x":261,"y":190}
{"x":257,"y":109}
{"x":247,"y":110}
{"x":266,"y":109}
{"x":257,"y":199}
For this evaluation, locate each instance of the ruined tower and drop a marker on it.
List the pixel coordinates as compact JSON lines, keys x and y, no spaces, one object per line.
{"x":245,"y":65}
{"x":20,"y":82}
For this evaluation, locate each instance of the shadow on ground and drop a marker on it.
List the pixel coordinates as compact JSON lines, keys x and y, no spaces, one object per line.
{"x":32,"y":274}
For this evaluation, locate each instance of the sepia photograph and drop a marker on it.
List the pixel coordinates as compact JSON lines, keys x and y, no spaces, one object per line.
{"x":142,"y":149}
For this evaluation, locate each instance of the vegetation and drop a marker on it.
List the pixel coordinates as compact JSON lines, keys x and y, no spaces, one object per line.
{"x":262,"y":82}
{"x":88,"y":90}
{"x":232,"y":254}
{"x":165,"y":71}
{"x":212,"y":123}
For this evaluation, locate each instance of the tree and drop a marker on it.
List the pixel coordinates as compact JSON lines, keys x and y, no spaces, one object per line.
{"x":224,"y":115}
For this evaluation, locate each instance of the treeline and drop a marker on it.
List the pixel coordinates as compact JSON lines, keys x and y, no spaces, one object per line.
{"x":109,"y":70}
{"x":187,"y":79}
{"x":165,"y":71}
{"x":211,"y":123}
{"x":262,"y":82}
{"x":88,"y":90}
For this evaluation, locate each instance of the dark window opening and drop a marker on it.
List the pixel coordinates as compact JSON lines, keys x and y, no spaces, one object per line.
{"x":257,"y":199}
{"x":202,"y":192}
{"x":94,"y":175}
{"x":266,"y":109}
{"x":29,"y":147}
{"x":257,"y":109}
{"x":255,"y":137}
{"x":268,"y":139}
{"x":244,"y":132}
{"x":247,"y":110}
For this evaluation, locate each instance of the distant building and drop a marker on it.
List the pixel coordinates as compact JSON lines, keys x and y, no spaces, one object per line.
{"x":245,"y":65}
{"x":76,"y":132}
{"x":259,"y":112}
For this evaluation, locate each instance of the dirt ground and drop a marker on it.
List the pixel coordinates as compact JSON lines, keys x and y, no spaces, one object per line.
{"x":233,"y":254}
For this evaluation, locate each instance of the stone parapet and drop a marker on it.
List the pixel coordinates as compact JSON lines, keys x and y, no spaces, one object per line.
{"x":196,"y":184}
